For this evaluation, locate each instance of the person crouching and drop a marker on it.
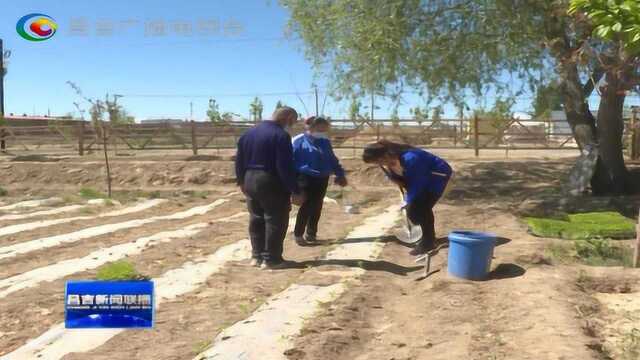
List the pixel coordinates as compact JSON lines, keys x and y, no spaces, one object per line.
{"x":425,"y":177}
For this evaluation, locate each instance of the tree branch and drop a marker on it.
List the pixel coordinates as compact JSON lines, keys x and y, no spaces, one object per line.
{"x":594,"y":78}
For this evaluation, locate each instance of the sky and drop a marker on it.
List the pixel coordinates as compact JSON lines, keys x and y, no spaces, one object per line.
{"x":166,"y":59}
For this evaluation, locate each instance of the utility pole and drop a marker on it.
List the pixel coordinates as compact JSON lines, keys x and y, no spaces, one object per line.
{"x":316,"y":92}
{"x":3,"y":144}
{"x":191,"y":113}
{"x":1,"y":79}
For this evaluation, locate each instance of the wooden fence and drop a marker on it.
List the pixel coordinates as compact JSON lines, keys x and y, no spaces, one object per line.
{"x":475,"y":133}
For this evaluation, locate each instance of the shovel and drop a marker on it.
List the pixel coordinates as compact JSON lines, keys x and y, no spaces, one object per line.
{"x":411,"y":234}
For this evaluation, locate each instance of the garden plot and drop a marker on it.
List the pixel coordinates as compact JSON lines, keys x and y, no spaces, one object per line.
{"x":57,"y":341}
{"x":144,"y":205}
{"x":56,"y":211}
{"x":213,"y":302}
{"x":29,"y":204}
{"x":43,"y":243}
{"x":100,"y":257}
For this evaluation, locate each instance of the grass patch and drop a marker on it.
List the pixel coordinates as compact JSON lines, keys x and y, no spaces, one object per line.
{"x":593,"y":252}
{"x":90,"y":210}
{"x":195,"y":194}
{"x":119,"y":270}
{"x":584,"y":226}
{"x":561,"y":252}
{"x":3,"y":191}
{"x":201,"y":346}
{"x":602,"y":252}
{"x":127,"y":196}
{"x":154,"y":195}
{"x":91,"y":193}
{"x":244,"y":308}
{"x":69,"y":199}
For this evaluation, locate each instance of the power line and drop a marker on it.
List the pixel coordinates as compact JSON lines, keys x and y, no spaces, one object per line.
{"x":216,"y":95}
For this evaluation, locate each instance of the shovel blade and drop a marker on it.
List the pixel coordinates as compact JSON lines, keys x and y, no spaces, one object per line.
{"x":409,"y":236}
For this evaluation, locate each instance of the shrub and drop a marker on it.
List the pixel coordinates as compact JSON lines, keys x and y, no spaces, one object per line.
{"x":118,"y":270}
{"x":90,"y":193}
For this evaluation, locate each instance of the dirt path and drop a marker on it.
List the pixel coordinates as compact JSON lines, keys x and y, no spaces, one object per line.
{"x":524,"y":312}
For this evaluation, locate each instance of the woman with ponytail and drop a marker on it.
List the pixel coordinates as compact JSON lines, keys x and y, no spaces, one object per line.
{"x":423,"y":176}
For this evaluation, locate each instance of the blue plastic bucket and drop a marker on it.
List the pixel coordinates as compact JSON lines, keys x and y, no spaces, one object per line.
{"x":470,"y":254}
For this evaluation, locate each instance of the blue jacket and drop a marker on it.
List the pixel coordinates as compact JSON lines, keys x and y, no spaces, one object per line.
{"x":423,"y":171}
{"x":267,"y":146}
{"x":315,"y":157}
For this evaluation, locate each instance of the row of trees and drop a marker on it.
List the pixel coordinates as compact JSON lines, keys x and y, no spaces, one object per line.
{"x":545,"y":102}
{"x":256,"y":109}
{"x":101,"y":110}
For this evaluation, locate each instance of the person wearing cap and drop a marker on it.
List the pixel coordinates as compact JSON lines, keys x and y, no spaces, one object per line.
{"x":266,"y":174}
{"x":315,"y":162}
{"x":425,"y":177}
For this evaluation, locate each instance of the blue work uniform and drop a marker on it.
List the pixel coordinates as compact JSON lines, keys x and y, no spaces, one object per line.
{"x":315,"y":162}
{"x":425,"y":177}
{"x":315,"y":157}
{"x":423,"y":171}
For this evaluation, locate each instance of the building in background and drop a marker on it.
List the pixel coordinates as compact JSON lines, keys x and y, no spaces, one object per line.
{"x":162,"y":121}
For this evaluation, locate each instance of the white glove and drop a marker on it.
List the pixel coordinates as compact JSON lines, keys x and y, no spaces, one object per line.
{"x":403,"y":205}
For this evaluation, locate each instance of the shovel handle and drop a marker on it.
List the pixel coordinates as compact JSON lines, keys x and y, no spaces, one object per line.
{"x":388,"y":174}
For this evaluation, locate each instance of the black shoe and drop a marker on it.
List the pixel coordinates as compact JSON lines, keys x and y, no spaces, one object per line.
{"x":274,"y":265}
{"x":300,"y":240}
{"x":421,"y":249}
{"x":310,"y":239}
{"x":255,"y":262}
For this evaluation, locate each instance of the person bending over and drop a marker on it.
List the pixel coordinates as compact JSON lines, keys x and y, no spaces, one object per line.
{"x":424,"y":177}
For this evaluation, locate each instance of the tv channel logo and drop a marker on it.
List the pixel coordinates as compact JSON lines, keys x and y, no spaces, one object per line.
{"x":36,"y":27}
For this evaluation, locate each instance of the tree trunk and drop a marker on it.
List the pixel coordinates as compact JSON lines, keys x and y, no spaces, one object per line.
{"x":610,"y":130}
{"x":611,"y":176}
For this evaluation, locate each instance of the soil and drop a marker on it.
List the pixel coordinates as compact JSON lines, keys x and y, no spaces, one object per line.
{"x":529,"y":308}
